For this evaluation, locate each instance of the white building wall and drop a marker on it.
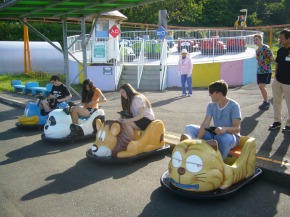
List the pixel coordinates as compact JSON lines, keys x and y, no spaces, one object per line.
{"x":44,"y":57}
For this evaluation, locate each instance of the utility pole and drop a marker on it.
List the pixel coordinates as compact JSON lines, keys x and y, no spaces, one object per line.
{"x":163,"y":18}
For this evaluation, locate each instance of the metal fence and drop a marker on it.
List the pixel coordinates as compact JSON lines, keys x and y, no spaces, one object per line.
{"x":203,"y":45}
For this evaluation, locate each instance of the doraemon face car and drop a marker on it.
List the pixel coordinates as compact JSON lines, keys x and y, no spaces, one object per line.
{"x":114,"y":145}
{"x":59,"y":126}
{"x":32,"y":117}
{"x":197,"y":170}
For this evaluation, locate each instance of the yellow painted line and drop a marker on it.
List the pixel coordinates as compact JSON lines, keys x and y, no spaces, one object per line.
{"x":274,"y":161}
{"x":172,"y":136}
{"x":261,"y":158}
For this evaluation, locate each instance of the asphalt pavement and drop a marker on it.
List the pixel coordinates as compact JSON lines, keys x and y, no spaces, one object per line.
{"x":273,"y":153}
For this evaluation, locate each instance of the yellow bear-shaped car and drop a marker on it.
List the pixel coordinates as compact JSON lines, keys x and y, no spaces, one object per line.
{"x":112,"y":140}
{"x":197,"y":166}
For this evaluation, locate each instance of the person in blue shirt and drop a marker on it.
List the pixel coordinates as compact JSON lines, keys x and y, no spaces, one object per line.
{"x":226,"y":116}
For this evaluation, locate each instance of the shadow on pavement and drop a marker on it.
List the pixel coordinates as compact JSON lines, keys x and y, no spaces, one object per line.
{"x":248,"y":124}
{"x":81,"y":175}
{"x":247,"y":201}
{"x":166,"y":101}
{"x":37,"y":149}
{"x":266,"y":147}
{"x":11,"y":114}
{"x":13,"y":133}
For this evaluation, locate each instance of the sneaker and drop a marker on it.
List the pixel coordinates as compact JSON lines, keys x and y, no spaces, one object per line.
{"x":183,"y":94}
{"x":265,"y":105}
{"x":286,"y":129}
{"x":189,"y":95}
{"x":275,"y":126}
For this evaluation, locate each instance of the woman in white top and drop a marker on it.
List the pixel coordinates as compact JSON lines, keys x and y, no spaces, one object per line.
{"x":137,"y":105}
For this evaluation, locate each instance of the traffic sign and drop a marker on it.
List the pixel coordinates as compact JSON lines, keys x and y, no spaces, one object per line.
{"x":114,"y":31}
{"x":161,"y":32}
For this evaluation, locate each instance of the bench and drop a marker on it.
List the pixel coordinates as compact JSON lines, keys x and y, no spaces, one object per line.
{"x":17,"y":85}
{"x":31,"y":88}
{"x":29,"y":85}
{"x":45,"y":91}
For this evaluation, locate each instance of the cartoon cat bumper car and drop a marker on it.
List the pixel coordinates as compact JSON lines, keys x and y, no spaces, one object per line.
{"x":114,"y":146}
{"x":197,"y":170}
{"x":33,"y":117}
{"x":59,"y":126}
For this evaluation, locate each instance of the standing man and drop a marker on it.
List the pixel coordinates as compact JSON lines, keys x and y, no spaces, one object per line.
{"x":281,"y":83}
{"x":58,"y":91}
{"x":264,"y":56}
{"x":226,"y":116}
{"x":185,"y":71}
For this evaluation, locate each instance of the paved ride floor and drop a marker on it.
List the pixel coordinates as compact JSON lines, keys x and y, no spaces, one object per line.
{"x":175,"y":111}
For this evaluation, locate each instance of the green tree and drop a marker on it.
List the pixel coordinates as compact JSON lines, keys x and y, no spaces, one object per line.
{"x":183,"y":13}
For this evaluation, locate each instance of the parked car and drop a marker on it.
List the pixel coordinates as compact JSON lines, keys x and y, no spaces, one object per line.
{"x":190,"y":44}
{"x":236,"y":44}
{"x":213,"y":45}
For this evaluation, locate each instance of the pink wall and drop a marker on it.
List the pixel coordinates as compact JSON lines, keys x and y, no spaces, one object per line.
{"x":232,"y":72}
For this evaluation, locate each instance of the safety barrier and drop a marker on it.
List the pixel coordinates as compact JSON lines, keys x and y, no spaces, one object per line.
{"x":204,"y":45}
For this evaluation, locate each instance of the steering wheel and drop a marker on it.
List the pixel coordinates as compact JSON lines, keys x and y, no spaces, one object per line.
{"x":211,"y":130}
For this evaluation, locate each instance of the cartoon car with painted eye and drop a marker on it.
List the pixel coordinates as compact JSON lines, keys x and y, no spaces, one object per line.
{"x":59,"y":126}
{"x":114,"y":145}
{"x":33,"y":117}
{"x":197,"y":170}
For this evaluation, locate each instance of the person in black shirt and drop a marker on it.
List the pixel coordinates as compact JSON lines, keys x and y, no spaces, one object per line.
{"x":59,"y":92}
{"x":281,"y":83}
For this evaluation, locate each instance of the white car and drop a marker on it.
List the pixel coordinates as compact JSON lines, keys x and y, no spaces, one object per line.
{"x":59,"y":126}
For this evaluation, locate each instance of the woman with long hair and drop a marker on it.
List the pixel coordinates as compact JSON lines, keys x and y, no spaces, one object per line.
{"x":138,"y":106}
{"x":91,"y":97}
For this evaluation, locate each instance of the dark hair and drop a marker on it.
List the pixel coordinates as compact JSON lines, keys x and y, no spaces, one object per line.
{"x":87,"y":95}
{"x":286,"y":33}
{"x":218,"y":86}
{"x":54,"y":78}
{"x":131,"y":92}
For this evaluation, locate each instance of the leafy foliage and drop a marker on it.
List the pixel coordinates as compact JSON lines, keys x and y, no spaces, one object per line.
{"x":212,"y":12}
{"x":13,"y":31}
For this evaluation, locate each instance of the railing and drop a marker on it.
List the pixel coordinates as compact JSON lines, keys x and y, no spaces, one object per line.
{"x":74,"y":43}
{"x":119,"y":66}
{"x":189,"y":33}
{"x":140,"y":64}
{"x":163,"y":65}
{"x":203,"y":45}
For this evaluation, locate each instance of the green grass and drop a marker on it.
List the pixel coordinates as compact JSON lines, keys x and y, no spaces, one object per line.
{"x":274,"y":49}
{"x":42,"y":79}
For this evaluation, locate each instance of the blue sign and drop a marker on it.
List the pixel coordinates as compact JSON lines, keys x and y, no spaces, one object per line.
{"x":161,"y":32}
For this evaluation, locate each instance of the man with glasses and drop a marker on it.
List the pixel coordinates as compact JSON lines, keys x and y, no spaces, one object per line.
{"x":226,"y":116}
{"x":281,"y":83}
{"x":59,"y":93}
